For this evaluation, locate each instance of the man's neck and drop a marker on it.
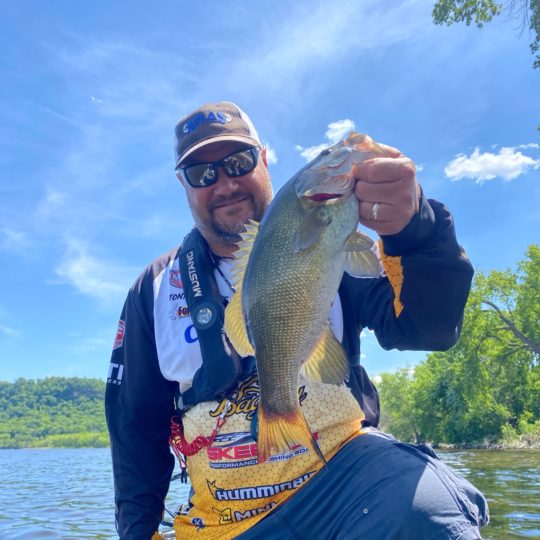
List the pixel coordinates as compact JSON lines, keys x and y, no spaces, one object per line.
{"x":222,"y":250}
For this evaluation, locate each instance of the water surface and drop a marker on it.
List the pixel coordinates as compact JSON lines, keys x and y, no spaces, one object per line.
{"x":68,"y":493}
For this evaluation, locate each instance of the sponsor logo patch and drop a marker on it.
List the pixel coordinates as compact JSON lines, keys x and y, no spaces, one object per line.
{"x":119,"y":338}
{"x":256,"y":492}
{"x":209,"y":118}
{"x":190,"y":334}
{"x":236,"y":450}
{"x":246,"y":398}
{"x":198,"y":522}
{"x":178,"y":312}
{"x":116,"y":371}
{"x":228,"y":515}
{"x":174,"y":279}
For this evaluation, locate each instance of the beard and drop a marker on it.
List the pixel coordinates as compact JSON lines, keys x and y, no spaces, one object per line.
{"x":230,"y":233}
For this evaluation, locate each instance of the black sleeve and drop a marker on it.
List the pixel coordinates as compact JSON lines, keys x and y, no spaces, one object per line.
{"x":139,"y":403}
{"x":419,"y":304}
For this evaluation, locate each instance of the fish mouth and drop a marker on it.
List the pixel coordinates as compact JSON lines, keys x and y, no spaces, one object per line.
{"x":324,"y":197}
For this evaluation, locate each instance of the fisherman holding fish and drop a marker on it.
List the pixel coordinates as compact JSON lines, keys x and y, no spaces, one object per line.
{"x":240,"y":349}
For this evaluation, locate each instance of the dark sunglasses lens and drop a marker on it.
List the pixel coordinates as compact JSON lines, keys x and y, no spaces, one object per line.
{"x":200,"y":175}
{"x":240,"y":163}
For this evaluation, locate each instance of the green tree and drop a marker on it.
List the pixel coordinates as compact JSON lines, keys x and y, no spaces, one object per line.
{"x":487,"y":387}
{"x":52,"y":412}
{"x":399,"y":415}
{"x":482,"y":11}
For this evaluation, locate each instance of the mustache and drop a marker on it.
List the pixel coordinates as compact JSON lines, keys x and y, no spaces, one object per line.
{"x":220,"y":200}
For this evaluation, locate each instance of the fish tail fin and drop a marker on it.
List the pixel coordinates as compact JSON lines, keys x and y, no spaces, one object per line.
{"x":279,"y":433}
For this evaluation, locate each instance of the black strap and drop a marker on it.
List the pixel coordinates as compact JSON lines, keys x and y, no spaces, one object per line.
{"x":220,"y":369}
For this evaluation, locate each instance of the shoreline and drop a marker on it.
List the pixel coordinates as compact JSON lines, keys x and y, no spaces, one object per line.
{"x":516,"y":445}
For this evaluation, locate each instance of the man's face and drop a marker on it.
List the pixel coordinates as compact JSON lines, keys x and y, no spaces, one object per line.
{"x":221,"y":210}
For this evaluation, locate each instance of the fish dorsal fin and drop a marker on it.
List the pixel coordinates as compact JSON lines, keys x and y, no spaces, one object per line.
{"x":241,"y":256}
{"x":361,"y":259}
{"x":235,"y":326}
{"x":328,"y":362}
{"x":311,"y":228}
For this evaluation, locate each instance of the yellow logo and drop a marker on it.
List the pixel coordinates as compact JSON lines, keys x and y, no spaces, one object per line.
{"x":225,"y":516}
{"x":246,"y":399}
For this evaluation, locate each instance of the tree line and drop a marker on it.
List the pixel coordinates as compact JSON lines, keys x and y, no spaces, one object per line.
{"x":486,"y":389}
{"x":52,"y":412}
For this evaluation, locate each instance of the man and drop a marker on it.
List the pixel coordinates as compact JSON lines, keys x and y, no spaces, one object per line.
{"x":170,"y":358}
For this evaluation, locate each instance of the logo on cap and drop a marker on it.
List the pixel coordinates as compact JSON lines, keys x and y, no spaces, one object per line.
{"x":205,"y":118}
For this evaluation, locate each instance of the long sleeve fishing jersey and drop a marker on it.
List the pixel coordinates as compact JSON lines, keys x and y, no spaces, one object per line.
{"x":417,"y":304}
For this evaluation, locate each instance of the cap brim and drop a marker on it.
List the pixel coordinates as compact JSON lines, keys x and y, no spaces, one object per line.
{"x":237,"y":138}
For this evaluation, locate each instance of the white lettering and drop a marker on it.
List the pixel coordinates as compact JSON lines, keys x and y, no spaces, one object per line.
{"x":195,"y":285}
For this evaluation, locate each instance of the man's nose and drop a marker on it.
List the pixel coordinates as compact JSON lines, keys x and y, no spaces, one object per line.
{"x":225,"y":183}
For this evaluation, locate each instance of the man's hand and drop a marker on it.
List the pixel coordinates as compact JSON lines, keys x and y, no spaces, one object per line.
{"x":387,"y":190}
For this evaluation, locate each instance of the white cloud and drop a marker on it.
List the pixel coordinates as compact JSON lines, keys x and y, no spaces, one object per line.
{"x":317,"y":35}
{"x":52,"y":204}
{"x":312,"y":152}
{"x":336,"y":132}
{"x":5,"y":329}
{"x":9,"y":331}
{"x":12,"y":240}
{"x":81,"y":345}
{"x":507,"y":164}
{"x":271,"y":155}
{"x":99,"y":279}
{"x":419,"y":168}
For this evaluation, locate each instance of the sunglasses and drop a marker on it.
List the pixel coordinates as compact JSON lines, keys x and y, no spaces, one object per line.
{"x":205,"y":174}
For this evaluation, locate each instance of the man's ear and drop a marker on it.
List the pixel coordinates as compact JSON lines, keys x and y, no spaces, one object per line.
{"x":263,"y":156}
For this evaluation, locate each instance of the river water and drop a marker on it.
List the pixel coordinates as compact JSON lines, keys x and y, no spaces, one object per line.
{"x":68,"y":493}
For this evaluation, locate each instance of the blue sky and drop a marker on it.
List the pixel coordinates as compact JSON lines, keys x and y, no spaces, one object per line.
{"x":91,"y":91}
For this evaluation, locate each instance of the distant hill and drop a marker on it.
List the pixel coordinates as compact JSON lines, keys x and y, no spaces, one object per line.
{"x":52,"y":412}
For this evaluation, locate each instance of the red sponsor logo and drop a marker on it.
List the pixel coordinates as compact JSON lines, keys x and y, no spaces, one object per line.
{"x":182,"y":311}
{"x":119,"y":339}
{"x":174,"y":279}
{"x":241,"y":451}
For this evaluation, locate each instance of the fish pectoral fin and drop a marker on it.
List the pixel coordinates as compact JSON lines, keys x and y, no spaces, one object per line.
{"x":311,"y":228}
{"x":279,"y":433}
{"x":361,"y":260}
{"x":328,"y":362}
{"x":235,"y":327}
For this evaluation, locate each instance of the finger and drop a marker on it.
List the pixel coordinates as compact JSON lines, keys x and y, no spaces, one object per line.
{"x":395,"y":193}
{"x":384,"y":169}
{"x":371,"y":212}
{"x":389,"y":219}
{"x":390,"y":151}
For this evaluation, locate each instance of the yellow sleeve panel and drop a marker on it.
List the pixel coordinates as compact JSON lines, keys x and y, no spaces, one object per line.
{"x":156,"y":536}
{"x":394,"y":272}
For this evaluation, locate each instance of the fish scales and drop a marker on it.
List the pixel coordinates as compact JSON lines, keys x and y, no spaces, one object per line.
{"x":288,"y":307}
{"x":290,"y":278}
